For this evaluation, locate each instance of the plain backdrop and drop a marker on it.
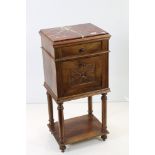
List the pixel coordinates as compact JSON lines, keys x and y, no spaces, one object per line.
{"x":12,"y":66}
{"x":110,"y":15}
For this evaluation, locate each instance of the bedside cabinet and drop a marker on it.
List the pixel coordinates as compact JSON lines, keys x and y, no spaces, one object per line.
{"x":75,"y":60}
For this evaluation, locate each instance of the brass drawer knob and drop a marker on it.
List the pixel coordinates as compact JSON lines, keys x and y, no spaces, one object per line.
{"x":81,"y":50}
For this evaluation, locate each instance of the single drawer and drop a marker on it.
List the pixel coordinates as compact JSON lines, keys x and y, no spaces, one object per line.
{"x":81,"y":49}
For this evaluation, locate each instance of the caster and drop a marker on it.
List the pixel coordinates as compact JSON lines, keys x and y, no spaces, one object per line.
{"x":104,"y":137}
{"x":62,"y":148}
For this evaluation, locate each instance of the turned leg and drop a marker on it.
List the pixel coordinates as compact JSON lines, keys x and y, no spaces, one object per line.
{"x":50,"y":110}
{"x":90,"y":108}
{"x":61,"y":126}
{"x":104,"y":116}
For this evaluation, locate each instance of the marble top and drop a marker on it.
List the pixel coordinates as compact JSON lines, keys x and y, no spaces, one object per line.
{"x":73,"y":32}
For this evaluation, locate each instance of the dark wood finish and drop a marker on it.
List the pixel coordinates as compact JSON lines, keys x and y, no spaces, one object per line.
{"x":104,"y":137}
{"x":81,"y":49}
{"x":50,"y":73}
{"x":104,"y":113}
{"x":90,"y":106}
{"x":79,"y":129}
{"x":61,"y":126}
{"x":77,"y":96}
{"x":50,"y":110}
{"x":82,"y":75}
{"x":76,"y":65}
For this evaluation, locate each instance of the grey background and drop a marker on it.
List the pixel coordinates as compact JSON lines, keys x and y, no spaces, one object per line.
{"x":110,"y":15}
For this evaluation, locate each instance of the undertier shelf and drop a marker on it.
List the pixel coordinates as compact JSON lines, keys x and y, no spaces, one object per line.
{"x":78,"y":129}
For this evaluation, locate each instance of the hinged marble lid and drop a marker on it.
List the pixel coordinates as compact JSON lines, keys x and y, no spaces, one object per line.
{"x":74,"y":32}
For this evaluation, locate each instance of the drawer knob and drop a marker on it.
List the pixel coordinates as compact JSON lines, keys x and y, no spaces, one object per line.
{"x":81,"y":50}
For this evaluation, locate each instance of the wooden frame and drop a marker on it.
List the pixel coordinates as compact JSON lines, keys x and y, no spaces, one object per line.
{"x":79,"y":128}
{"x":76,"y":65}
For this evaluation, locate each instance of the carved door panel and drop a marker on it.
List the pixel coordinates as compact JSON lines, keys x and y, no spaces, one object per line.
{"x":82,"y":75}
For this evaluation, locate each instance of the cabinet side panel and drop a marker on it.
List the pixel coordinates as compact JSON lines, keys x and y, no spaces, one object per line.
{"x":47,"y":45}
{"x":105,"y":81}
{"x":49,"y":72}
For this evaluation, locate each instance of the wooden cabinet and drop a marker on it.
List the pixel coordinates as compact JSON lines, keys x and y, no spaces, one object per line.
{"x":81,"y":49}
{"x":76,"y":60}
{"x":82,"y":75}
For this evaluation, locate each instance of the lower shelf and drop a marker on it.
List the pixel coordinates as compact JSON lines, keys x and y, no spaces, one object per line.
{"x":78,"y":129}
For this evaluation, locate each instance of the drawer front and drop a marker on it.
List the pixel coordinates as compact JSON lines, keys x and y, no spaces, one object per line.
{"x":84,"y":75}
{"x":81,"y":49}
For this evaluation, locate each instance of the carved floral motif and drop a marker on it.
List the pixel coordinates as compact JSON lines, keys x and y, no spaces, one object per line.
{"x":83,"y":73}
